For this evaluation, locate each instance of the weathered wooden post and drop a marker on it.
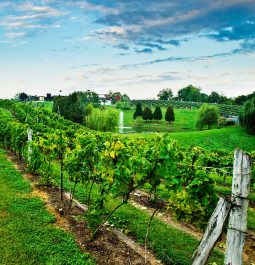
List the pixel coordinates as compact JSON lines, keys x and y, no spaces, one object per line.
{"x":29,"y":139}
{"x":212,"y":233}
{"x":237,"y":225}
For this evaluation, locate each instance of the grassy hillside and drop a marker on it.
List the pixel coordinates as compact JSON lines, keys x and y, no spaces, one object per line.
{"x":228,"y":138}
{"x":185,"y":120}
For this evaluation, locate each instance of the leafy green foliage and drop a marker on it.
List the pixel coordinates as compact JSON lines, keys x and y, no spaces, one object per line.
{"x":147,"y":114}
{"x":103,"y":120}
{"x":138,"y":111}
{"x":116,"y":164}
{"x":157,"y":114}
{"x":247,"y":116}
{"x":189,"y":93}
{"x":165,"y":94}
{"x":70,"y":107}
{"x":208,"y":116}
{"x":169,"y":116}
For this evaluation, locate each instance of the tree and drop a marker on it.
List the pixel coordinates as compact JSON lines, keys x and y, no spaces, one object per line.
{"x":48,"y":97}
{"x":103,"y":120}
{"x":240,"y":100}
{"x":157,"y":115}
{"x":214,"y":97}
{"x":208,"y":115}
{"x":247,"y":116}
{"x":189,"y":93}
{"x":88,"y":97}
{"x":138,"y":111}
{"x":169,"y":116}
{"x":23,"y":96}
{"x":147,"y":114}
{"x":71,"y":107}
{"x":165,"y":94}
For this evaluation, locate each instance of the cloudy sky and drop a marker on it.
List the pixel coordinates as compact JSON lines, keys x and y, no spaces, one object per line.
{"x":134,"y":46}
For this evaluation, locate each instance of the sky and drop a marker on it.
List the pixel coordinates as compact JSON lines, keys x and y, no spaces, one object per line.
{"x":137,"y":47}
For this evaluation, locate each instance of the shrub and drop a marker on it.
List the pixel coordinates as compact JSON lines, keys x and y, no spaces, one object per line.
{"x":103,"y":120}
{"x":208,"y":116}
{"x":70,"y":107}
{"x":157,"y":115}
{"x":247,"y":116}
{"x":169,"y":116}
{"x":147,"y":114}
{"x":138,"y":112}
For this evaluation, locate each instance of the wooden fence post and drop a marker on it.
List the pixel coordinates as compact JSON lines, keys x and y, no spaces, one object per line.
{"x":213,"y":231}
{"x":29,"y":139}
{"x":237,"y":225}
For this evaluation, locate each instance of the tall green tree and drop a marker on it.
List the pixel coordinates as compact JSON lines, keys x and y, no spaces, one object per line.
{"x":23,"y":96}
{"x":88,"y":97}
{"x":138,"y":111}
{"x":208,"y":116}
{"x":165,"y":94}
{"x":157,"y":114}
{"x":70,"y":107}
{"x":147,"y":114}
{"x":247,"y":116}
{"x":169,"y":116}
{"x":189,"y":93}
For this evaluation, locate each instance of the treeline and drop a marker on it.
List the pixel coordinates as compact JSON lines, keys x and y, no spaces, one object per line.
{"x":194,"y":94}
{"x":147,"y":113}
{"x":78,"y":107}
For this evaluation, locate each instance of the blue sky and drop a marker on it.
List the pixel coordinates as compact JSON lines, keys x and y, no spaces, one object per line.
{"x":137,"y":47}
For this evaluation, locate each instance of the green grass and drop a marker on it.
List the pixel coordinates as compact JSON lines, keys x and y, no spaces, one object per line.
{"x":185,"y":120}
{"x":171,"y":245}
{"x":28,"y":234}
{"x":228,"y":138}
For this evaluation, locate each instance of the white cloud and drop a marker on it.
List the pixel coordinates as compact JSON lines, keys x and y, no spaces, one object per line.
{"x":13,"y":35}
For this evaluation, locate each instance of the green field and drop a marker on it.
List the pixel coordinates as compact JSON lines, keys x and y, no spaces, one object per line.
{"x":228,"y":138}
{"x":185,"y":120}
{"x":27,"y":229}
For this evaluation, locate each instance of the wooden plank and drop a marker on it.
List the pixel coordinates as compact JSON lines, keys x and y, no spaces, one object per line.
{"x":29,"y":139}
{"x":237,"y":225}
{"x":212,"y":233}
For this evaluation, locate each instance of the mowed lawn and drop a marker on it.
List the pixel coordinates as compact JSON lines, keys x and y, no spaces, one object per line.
{"x":185,"y":120}
{"x":228,"y":138}
{"x":28,"y":234}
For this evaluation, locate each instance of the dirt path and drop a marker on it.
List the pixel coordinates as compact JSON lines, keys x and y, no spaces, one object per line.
{"x":140,"y":200}
{"x":110,"y":246}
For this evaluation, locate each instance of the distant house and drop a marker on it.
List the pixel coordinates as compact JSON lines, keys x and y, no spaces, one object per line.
{"x":41,"y":98}
{"x":105,"y":99}
{"x":117,"y":98}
